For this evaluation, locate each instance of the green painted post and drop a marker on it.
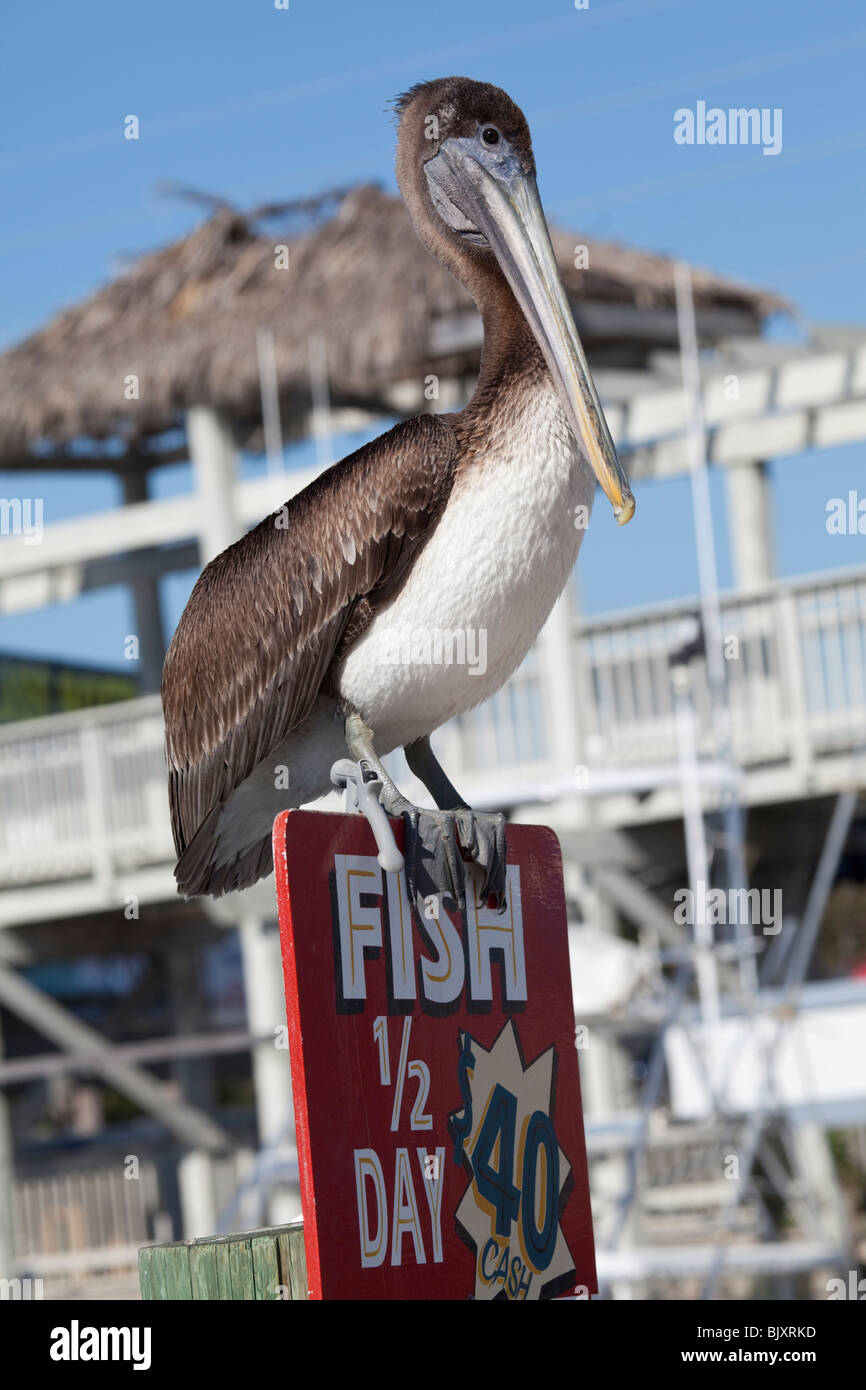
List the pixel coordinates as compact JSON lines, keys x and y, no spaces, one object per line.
{"x":261,"y":1265}
{"x":266,"y":1267}
{"x":144,"y":1263}
{"x":241,"y":1267}
{"x":203,"y":1272}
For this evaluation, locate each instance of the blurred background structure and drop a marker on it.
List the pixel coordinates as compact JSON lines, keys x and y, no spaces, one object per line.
{"x":717,"y":738}
{"x":608,"y":732}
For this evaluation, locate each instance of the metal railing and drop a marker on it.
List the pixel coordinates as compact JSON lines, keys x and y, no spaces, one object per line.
{"x":83,"y":795}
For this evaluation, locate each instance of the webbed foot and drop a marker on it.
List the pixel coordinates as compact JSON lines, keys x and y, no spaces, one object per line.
{"x":436,"y":844}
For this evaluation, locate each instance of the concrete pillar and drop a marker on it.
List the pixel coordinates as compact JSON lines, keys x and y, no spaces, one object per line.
{"x":194,"y":1075}
{"x":197,"y":1191}
{"x":606,"y":1086}
{"x":266,"y":1016}
{"x":145,"y":598}
{"x":7,"y":1177}
{"x":214,"y":460}
{"x":556,"y":664}
{"x":749,"y":523}
{"x":602,"y":1068}
{"x":321,"y":423}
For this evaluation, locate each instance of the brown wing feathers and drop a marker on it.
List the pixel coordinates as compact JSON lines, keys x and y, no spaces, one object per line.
{"x":262,"y":625}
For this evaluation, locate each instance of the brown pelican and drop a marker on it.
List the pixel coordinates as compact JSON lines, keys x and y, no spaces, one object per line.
{"x":288,"y":651}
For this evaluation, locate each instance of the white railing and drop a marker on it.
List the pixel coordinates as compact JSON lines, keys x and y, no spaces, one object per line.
{"x":65,"y":1214}
{"x":84,"y":795}
{"x":795,"y":667}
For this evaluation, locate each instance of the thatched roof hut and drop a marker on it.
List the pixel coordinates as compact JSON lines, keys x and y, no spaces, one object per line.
{"x":183,"y":320}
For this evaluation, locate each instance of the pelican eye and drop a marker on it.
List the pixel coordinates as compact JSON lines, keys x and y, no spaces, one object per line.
{"x":490,"y":135}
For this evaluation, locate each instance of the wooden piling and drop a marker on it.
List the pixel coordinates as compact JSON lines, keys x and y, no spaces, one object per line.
{"x":253,"y":1265}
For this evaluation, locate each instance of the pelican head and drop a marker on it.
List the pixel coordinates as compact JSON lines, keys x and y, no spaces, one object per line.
{"x":467,"y":174}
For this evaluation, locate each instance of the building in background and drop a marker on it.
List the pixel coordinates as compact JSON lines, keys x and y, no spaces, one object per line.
{"x":146,"y":1089}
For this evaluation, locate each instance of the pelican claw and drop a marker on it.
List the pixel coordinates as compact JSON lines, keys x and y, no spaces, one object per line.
{"x":436,"y":844}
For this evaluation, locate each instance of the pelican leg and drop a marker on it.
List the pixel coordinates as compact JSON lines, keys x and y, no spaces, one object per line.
{"x":427,"y":768}
{"x":359,"y":740}
{"x":432,"y":858}
{"x":434,"y":864}
{"x":481,"y":834}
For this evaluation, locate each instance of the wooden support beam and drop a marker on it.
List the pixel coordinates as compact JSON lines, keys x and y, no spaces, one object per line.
{"x":7,"y":1178}
{"x":51,"y":1019}
{"x":214,"y":461}
{"x":636,"y":903}
{"x":600,"y":321}
{"x":64,"y":583}
{"x":145,"y":597}
{"x":747,"y":487}
{"x":89,"y":552}
{"x":68,"y":462}
{"x":173,"y":1049}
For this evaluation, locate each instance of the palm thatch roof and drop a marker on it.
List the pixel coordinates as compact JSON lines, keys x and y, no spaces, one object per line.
{"x":183,"y":320}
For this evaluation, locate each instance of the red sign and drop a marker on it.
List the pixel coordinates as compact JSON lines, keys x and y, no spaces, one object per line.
{"x":437,"y":1099}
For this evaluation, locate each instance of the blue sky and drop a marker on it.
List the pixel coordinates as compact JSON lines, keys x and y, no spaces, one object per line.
{"x":239,"y":98}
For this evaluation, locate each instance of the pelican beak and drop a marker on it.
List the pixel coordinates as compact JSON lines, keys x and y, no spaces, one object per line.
{"x":501,"y":202}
